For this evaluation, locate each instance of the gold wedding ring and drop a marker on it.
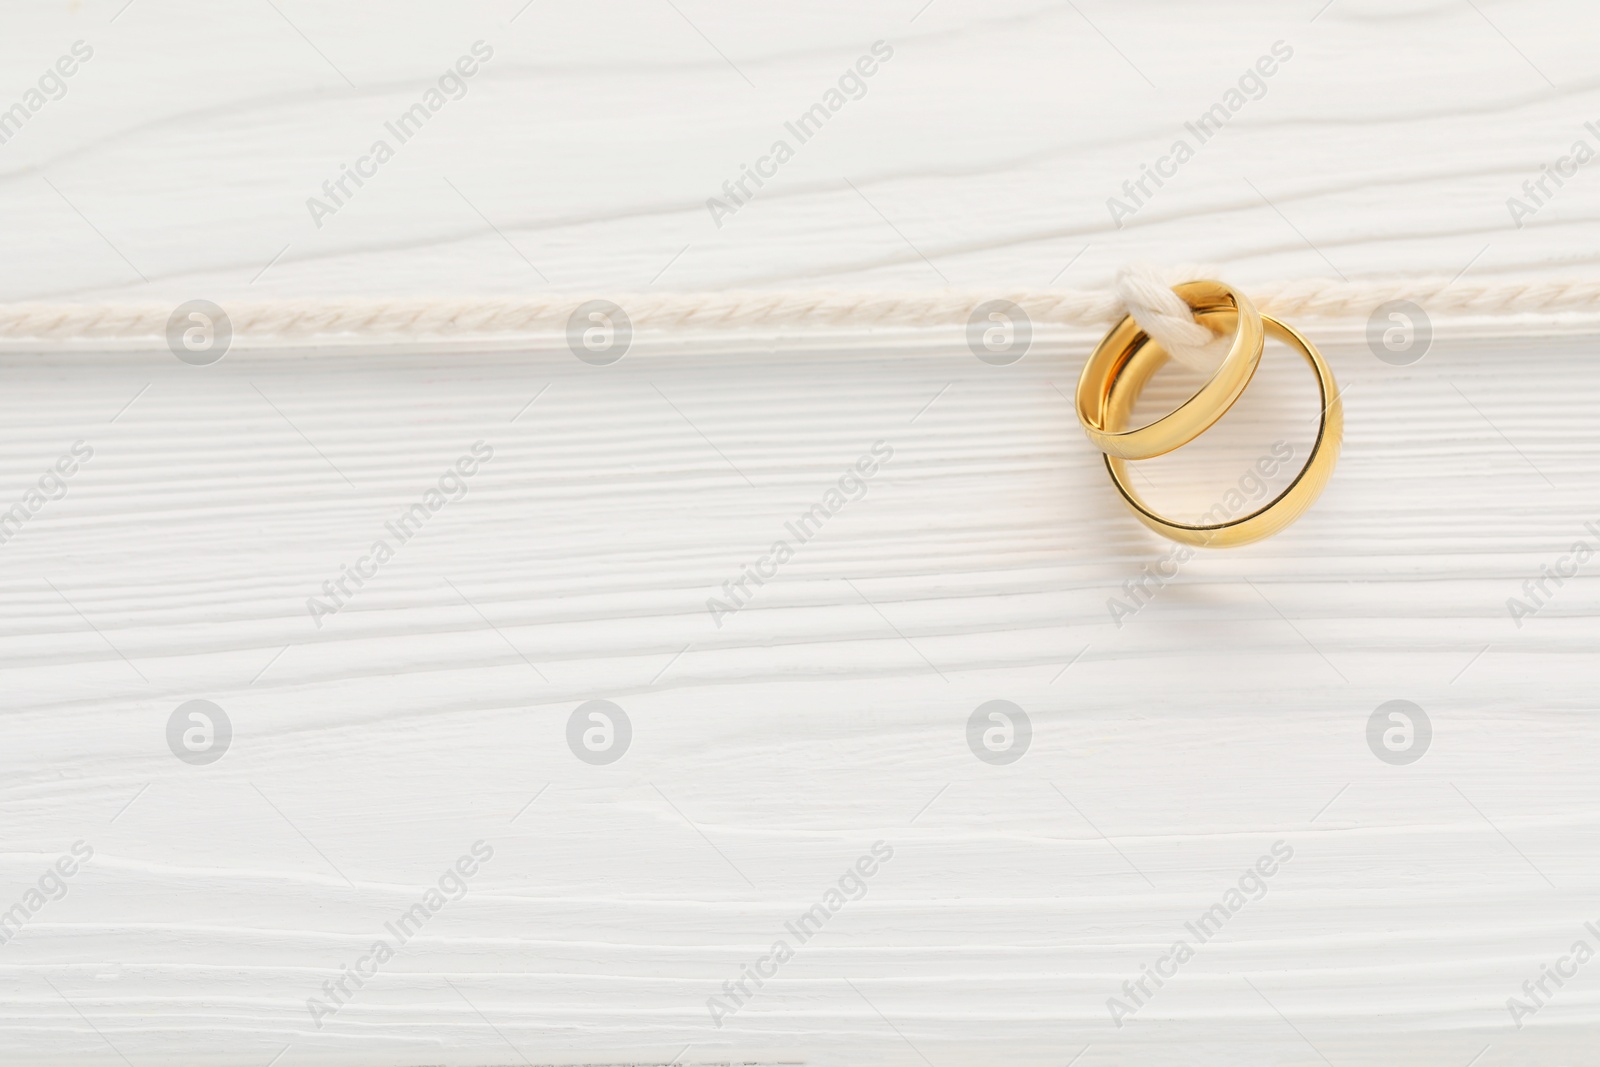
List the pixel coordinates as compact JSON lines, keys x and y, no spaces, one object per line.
{"x":1194,"y":416}
{"x":1125,"y":361}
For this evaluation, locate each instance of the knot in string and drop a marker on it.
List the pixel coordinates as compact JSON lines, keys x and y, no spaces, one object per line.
{"x":1163,"y":315}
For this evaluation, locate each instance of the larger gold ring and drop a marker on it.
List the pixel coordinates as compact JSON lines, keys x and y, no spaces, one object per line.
{"x":1278,"y":512}
{"x":1194,"y":416}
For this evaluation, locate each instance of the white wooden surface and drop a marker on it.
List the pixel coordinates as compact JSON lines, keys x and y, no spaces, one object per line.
{"x":771,"y":752}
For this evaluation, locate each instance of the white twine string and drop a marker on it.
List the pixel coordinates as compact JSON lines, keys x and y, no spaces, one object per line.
{"x":1147,"y":295}
{"x":1139,"y":291}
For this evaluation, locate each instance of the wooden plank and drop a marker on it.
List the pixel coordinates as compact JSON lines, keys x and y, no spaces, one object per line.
{"x":773,"y":747}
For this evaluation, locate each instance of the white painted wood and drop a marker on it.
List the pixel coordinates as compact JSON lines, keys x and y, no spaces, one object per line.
{"x":769,"y":753}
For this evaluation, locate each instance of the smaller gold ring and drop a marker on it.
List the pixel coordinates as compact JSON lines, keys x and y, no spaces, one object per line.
{"x":1194,"y":416}
{"x":1278,"y":512}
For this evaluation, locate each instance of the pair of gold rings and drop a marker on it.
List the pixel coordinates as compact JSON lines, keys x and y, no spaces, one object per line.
{"x":1125,"y":360}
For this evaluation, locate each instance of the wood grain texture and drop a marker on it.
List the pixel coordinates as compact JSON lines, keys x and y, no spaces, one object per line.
{"x":769,"y":753}
{"x":982,"y":154}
